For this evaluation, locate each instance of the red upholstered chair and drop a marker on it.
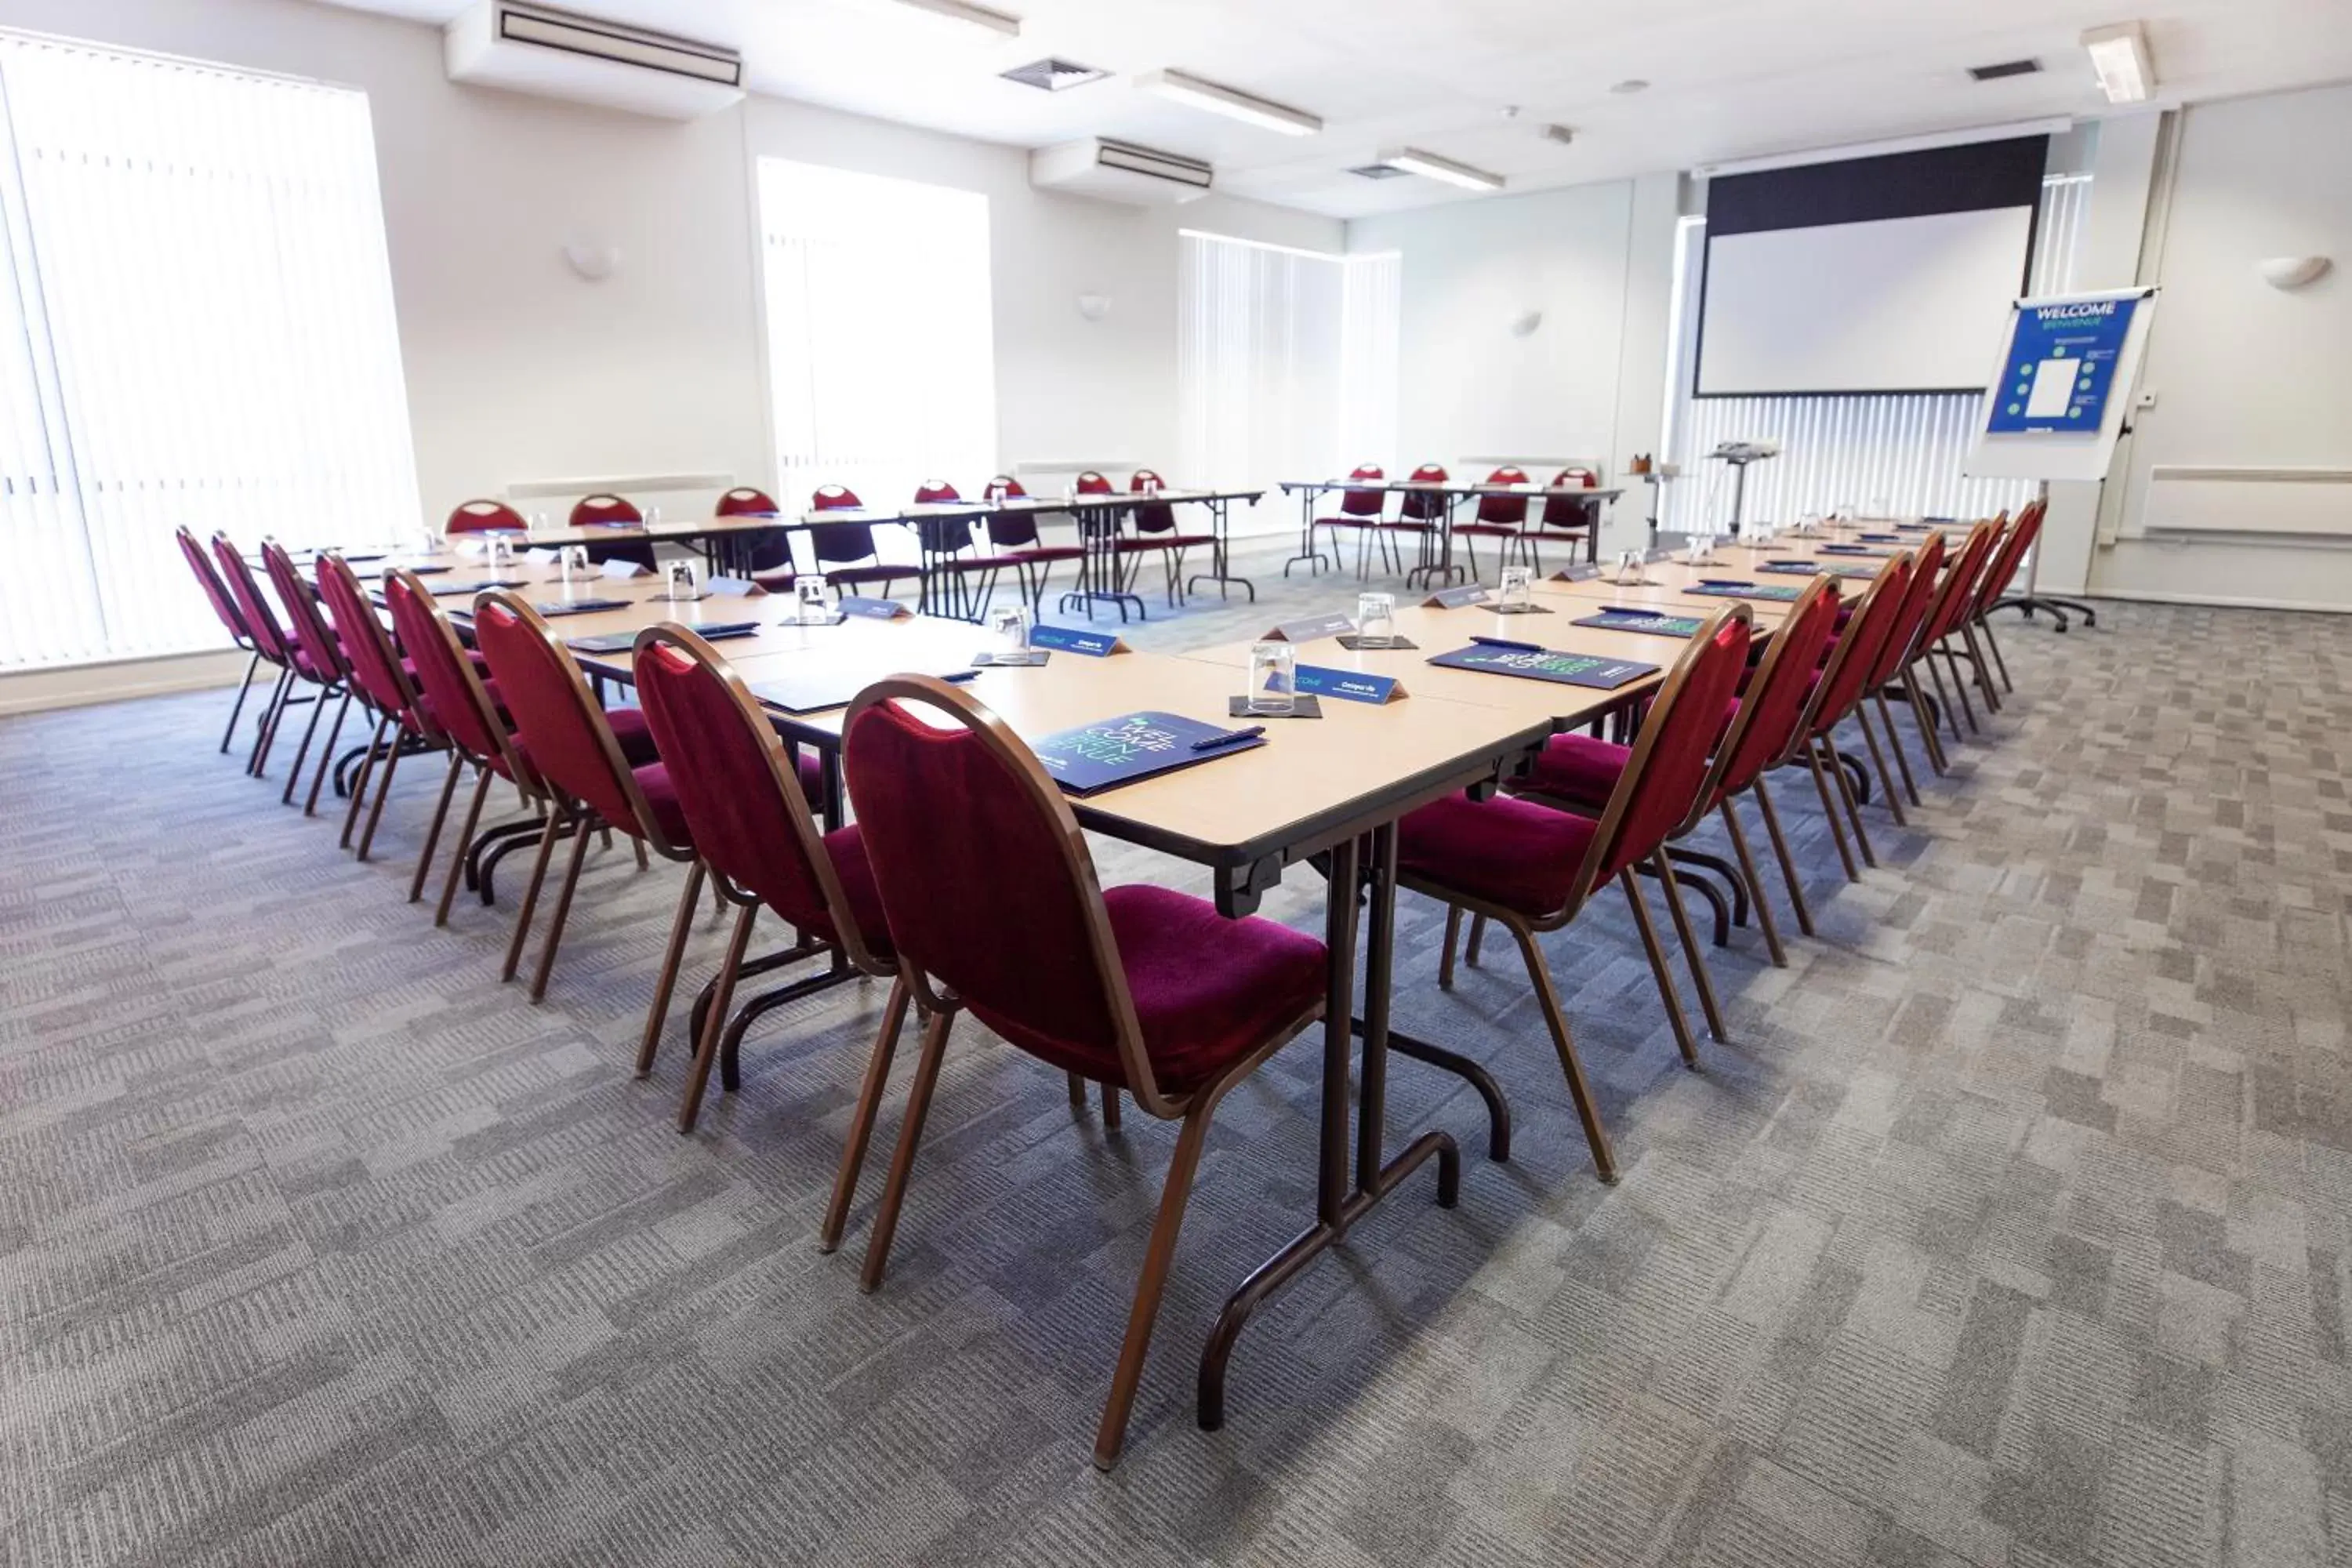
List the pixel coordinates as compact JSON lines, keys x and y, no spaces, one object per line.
{"x":1532,"y":867}
{"x":946,"y":543}
{"x":845,"y":552}
{"x":224,"y":605}
{"x":1421,"y":512}
{"x":484,"y":517}
{"x":1563,"y":518}
{"x":1156,"y":533}
{"x":1956,"y":602}
{"x":1140,"y":988}
{"x":318,"y":661}
{"x":1500,"y":517}
{"x":1361,"y":512}
{"x":383,"y":684}
{"x":1890,"y":669}
{"x":1013,"y":538}
{"x":604,"y":510}
{"x":754,"y":833}
{"x":745,"y":501}
{"x":1844,"y":680}
{"x":590,"y":783}
{"x":1091,"y":483}
{"x":270,"y":640}
{"x":1999,"y":574}
{"x":766,"y":554}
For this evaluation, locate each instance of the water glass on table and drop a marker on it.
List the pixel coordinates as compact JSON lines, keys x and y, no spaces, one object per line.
{"x":1009,"y":630}
{"x":1375,"y":620}
{"x":1517,"y":588}
{"x":813,"y":608}
{"x":1628,"y":567}
{"x":683,"y":586}
{"x":572,"y":561}
{"x":1272,"y":678}
{"x":500,"y":554}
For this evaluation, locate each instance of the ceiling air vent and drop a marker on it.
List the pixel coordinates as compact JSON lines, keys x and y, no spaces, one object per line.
{"x":1053,"y":76}
{"x":2004,"y":68}
{"x":1379,"y":172}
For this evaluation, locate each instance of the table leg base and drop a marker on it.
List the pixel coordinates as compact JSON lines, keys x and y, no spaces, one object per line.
{"x":1223,"y":582}
{"x":1279,"y":1270}
{"x":1498,"y":1110}
{"x":1085,"y":599}
{"x":1313,"y":558}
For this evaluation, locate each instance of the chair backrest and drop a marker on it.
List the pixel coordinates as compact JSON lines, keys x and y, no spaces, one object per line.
{"x":1504,"y":508}
{"x":1911,"y":614}
{"x":838,"y":544}
{"x":302,"y":618}
{"x":1561,"y":511}
{"x":941,"y":535}
{"x":1365,"y":503}
{"x":1959,"y":586}
{"x":1156,"y":516}
{"x":931,"y":492}
{"x":564,"y":733}
{"x":2003,"y":569}
{"x":745,"y":501}
{"x":1672,"y":760}
{"x":1774,"y":703}
{"x":260,"y":623}
{"x":985,"y":876}
{"x":1091,"y":483}
{"x":461,"y":704}
{"x":1006,"y":484}
{"x":368,"y":650}
{"x":1423,"y":506}
{"x":215,"y":591}
{"x":1855,"y":655}
{"x":602,"y":508}
{"x":750,"y":822}
{"x":484,"y":517}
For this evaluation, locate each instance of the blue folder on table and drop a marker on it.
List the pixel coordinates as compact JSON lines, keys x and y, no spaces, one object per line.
{"x":1649,"y":622}
{"x":1727,"y":588}
{"x":1130,"y":748}
{"x":1543,"y":664}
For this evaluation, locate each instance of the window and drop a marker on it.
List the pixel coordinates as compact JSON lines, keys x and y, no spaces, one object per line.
{"x":196,"y":327}
{"x":1287,"y":361}
{"x":1904,"y":449}
{"x":881,"y":357}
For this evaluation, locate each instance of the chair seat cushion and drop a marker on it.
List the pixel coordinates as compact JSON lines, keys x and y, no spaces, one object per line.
{"x":1207,"y":990}
{"x":661,"y":799}
{"x":1511,"y":853}
{"x":853,"y":575}
{"x":1582,"y":769}
{"x":1491,"y":530}
{"x":847,"y":847}
{"x":1036,"y":553}
{"x":1167,"y":542}
{"x":1349,"y":519}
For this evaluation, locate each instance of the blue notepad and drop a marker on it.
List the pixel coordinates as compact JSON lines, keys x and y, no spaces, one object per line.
{"x":443,"y":590}
{"x":1778,"y":592}
{"x":1815,"y":568}
{"x":1565,"y":668}
{"x":580,"y":606}
{"x":1856,"y":549}
{"x":1129,"y":748}
{"x":1645,"y":622}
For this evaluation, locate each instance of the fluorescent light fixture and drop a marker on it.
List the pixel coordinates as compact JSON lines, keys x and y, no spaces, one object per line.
{"x":1429,"y":166}
{"x":996,"y":22}
{"x":1194,"y":93}
{"x":2119,"y":54}
{"x":1893,"y":144}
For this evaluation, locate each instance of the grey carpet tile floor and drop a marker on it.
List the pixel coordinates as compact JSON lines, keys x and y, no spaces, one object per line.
{"x":2012,"y":1227}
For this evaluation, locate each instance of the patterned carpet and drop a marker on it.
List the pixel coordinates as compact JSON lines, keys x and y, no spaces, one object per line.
{"x":2012,"y":1229}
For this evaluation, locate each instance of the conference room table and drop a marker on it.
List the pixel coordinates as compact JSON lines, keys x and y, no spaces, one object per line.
{"x":1329,"y":792}
{"x":1439,"y":564}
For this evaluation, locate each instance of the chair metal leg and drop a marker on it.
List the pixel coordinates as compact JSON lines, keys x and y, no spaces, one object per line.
{"x":1658,"y":971}
{"x":557,"y":818}
{"x":1894,"y":744}
{"x":270,"y":717}
{"x":1787,"y":861}
{"x":1174,"y":1197}
{"x":1478,"y":935}
{"x":561,"y":912}
{"x":358,"y":788}
{"x":383,"y":790}
{"x":1960,"y":686}
{"x":464,"y":847}
{"x":1922,"y":714}
{"x":1878,"y":760}
{"x":1992,"y":647}
{"x":243,"y":689}
{"x":1110,"y":1107}
{"x":1984,"y":670}
{"x":302,"y":752}
{"x":1830,"y":811}
{"x":1445,"y":953}
{"x":902,"y":1163}
{"x":1691,"y":953}
{"x":433,"y":830}
{"x":327,"y":757}
{"x":869,"y":1101}
{"x":1951,"y":714}
{"x":1764,"y":916}
{"x":714,"y":1023}
{"x":261,"y":722}
{"x":680,"y":924}
{"x":1596,"y":1136}
{"x":1853,"y":814}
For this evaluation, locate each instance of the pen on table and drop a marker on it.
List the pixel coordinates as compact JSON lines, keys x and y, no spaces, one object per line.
{"x":1508,"y":643}
{"x":1209,"y":742}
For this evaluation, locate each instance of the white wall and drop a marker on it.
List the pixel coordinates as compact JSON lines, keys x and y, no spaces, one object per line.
{"x":2246,"y":375}
{"x":1597,"y":261}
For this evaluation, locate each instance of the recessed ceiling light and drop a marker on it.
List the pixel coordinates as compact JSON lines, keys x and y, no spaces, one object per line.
{"x":1631,"y":84}
{"x":1429,"y":166}
{"x":1195,"y":93}
{"x":1053,"y":76}
{"x":2119,"y":54}
{"x":981,"y":16}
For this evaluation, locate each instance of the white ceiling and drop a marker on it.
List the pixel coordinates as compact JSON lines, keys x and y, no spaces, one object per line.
{"x":1729,"y":79}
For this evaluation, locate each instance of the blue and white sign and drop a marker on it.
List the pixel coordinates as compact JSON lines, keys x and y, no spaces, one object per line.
{"x":2061,"y":366}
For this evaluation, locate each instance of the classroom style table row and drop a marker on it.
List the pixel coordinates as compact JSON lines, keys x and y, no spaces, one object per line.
{"x":1435,"y":561}
{"x":1328,"y":792}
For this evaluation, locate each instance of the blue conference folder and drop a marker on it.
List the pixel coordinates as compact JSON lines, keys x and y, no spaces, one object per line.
{"x":1130,"y":748}
{"x":1648,"y":623}
{"x":1543,"y":664}
{"x":1727,"y":588}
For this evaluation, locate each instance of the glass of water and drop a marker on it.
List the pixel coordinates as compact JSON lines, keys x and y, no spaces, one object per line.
{"x":572,"y":560}
{"x":538,"y":522}
{"x":1273,"y":672}
{"x":1375,"y":620}
{"x":653,"y":516}
{"x":1010,"y":628}
{"x":1517,"y":587}
{"x":1628,"y":567}
{"x":682,"y":583}
{"x":501,"y":552}
{"x":811,"y":590}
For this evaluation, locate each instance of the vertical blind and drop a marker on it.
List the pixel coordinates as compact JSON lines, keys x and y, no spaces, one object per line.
{"x":881,"y":356}
{"x":1902,"y":450}
{"x":1286,"y":361}
{"x":196,"y":327}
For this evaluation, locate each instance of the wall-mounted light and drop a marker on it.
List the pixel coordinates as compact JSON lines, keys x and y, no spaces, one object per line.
{"x":591,"y":258}
{"x":2119,"y":54}
{"x":2294,"y":271}
{"x":1094,"y":306}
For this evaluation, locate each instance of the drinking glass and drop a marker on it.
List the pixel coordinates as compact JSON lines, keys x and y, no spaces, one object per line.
{"x":1375,"y":619}
{"x":574,"y":561}
{"x":1700,"y":545}
{"x":1810,"y":524}
{"x":812,"y":605}
{"x":1517,"y":589}
{"x":538,"y":523}
{"x":682,"y":584}
{"x":653,"y":516}
{"x":1272,"y":671}
{"x":501,"y":552}
{"x":1009,"y":628}
{"x":1844,"y":512}
{"x":1629,"y":566}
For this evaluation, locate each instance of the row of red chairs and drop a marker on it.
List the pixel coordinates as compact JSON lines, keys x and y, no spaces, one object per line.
{"x":1364,"y":512}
